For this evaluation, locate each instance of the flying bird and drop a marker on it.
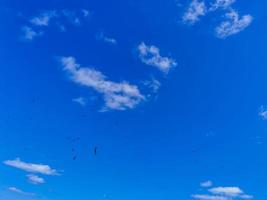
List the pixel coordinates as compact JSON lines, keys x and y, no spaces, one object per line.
{"x":95,"y":150}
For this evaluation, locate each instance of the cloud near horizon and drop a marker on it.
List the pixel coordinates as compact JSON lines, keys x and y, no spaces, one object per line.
{"x":221,"y":193}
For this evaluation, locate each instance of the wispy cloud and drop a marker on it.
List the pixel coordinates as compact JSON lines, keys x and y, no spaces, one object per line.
{"x":72,"y":17}
{"x":80,"y":100}
{"x":21,"y":192}
{"x":86,"y":13}
{"x":222,"y":193}
{"x":195,"y":10}
{"x":31,"y":167}
{"x":153,"y":84}
{"x":117,"y":96}
{"x":263,"y":113}
{"x":29,"y":33}
{"x":223,"y":4}
{"x":38,"y":24}
{"x":150,"y":55}
{"x":34,"y":179}
{"x":206,"y":184}
{"x":101,"y":36}
{"x":44,"y":18}
{"x":233,"y":24}
{"x":208,"y":197}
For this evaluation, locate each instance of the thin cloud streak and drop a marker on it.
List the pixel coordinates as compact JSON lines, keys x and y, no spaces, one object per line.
{"x":31,"y":167}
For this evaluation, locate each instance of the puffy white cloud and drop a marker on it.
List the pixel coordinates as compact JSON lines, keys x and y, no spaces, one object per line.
{"x":224,"y":4}
{"x":227,"y":191}
{"x":34,"y":179}
{"x":150,"y":55}
{"x":221,"y":193}
{"x":43,"y":19}
{"x":30,"y":167}
{"x":233,"y":25}
{"x":206,"y":184}
{"x":194,"y":12}
{"x":117,"y":96}
{"x":19,"y":191}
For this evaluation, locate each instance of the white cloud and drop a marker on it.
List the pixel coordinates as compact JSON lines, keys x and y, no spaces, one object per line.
{"x":206,"y":184}
{"x":102,"y":37}
{"x":208,"y":197}
{"x":263,"y":113}
{"x":80,"y":100}
{"x":233,"y":25}
{"x":39,"y":23}
{"x":29,"y":33}
{"x":150,"y":55}
{"x":224,"y":4}
{"x":194,"y":12}
{"x":227,"y":191}
{"x":117,"y":96}
{"x":43,"y":19}
{"x":34,"y":179}
{"x":221,"y":193}
{"x":30,"y":167}
{"x":18,"y":191}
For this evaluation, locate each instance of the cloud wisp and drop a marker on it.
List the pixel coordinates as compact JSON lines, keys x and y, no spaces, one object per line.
{"x":20,"y":192}
{"x":37,"y":25}
{"x":117,"y":96}
{"x":221,"y":4}
{"x":34,"y":179}
{"x":29,"y":34}
{"x":102,"y":37}
{"x":150,"y":55}
{"x":195,"y":10}
{"x":80,"y":100}
{"x":233,"y":24}
{"x":31,"y":167}
{"x":206,"y":184}
{"x":43,"y":18}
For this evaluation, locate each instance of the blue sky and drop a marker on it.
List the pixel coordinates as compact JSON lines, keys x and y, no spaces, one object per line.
{"x":171,"y":92}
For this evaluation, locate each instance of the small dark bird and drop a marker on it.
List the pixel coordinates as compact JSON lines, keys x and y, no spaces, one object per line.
{"x":74,"y":157}
{"x":95,"y":150}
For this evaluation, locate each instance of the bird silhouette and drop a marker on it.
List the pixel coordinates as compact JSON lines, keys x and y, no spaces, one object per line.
{"x":95,"y":151}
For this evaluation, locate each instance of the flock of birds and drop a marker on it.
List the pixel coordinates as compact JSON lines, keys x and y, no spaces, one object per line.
{"x":74,"y":154}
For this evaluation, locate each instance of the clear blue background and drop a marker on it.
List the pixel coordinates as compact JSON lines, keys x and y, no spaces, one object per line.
{"x":202,"y":125}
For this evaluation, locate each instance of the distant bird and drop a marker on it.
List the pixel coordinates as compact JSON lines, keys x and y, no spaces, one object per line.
{"x":74,"y":157}
{"x":95,"y":151}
